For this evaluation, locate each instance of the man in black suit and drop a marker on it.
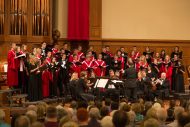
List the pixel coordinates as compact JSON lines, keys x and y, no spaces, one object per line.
{"x":131,"y":85}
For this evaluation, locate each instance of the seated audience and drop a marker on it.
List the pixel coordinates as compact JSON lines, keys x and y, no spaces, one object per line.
{"x":120,"y":119}
{"x":51,"y":117}
{"x":2,"y":119}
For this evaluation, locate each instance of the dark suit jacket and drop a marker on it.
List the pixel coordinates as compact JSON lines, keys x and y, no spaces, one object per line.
{"x":130,"y":75}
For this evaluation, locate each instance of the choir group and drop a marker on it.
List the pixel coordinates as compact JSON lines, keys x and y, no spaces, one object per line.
{"x":47,"y":72}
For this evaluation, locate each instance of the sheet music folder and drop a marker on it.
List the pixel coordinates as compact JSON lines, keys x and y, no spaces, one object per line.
{"x":101,"y":83}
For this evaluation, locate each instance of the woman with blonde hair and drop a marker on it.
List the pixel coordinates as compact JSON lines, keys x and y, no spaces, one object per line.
{"x":142,"y":64}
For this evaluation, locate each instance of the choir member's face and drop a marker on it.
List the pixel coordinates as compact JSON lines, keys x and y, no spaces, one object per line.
{"x":115,"y":58}
{"x":56,"y":46}
{"x":38,"y":50}
{"x":49,"y":54}
{"x":135,"y":48}
{"x":163,"y":52}
{"x":100,"y":56}
{"x":53,"y":60}
{"x":147,"y":49}
{"x":91,"y":48}
{"x":157,"y":55}
{"x":80,"y":48}
{"x":65,"y":46}
{"x":76,"y":51}
{"x":43,"y":45}
{"x":111,"y":72}
{"x":103,"y":49}
{"x":108,"y":48}
{"x":139,"y":75}
{"x":64,"y":56}
{"x":34,"y":50}
{"x":18,"y":48}
{"x":117,"y":73}
{"x":175,"y":57}
{"x":75,"y":58}
{"x":167,"y":58}
{"x":119,"y":53}
{"x":90,"y":53}
{"x":14,"y":46}
{"x":176,"y":49}
{"x":143,"y":74}
{"x":62,"y":51}
{"x":25,"y":47}
{"x":163,"y":76}
{"x":122,"y":50}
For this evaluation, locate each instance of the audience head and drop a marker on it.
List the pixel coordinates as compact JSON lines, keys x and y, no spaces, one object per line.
{"x":183,"y":119}
{"x":51,"y":112}
{"x":37,"y":124}
{"x":120,"y":119}
{"x":177,"y":111}
{"x":82,"y":115}
{"x":94,"y":113}
{"x":107,"y":122}
{"x":151,"y":113}
{"x":22,"y":121}
{"x":104,"y":111}
{"x":161,"y":115}
{"x":32,"y":107}
{"x":114,"y":105}
{"x":70,"y":124}
{"x":61,"y":112}
{"x":151,"y":122}
{"x":32,"y":115}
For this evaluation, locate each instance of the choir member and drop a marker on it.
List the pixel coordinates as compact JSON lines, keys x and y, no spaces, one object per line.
{"x":141,"y":85}
{"x":21,"y":68}
{"x":55,"y":51}
{"x":25,"y":76}
{"x":155,"y":67}
{"x":176,"y":52}
{"x":124,"y":54}
{"x":54,"y":71}
{"x":82,"y":87}
{"x":177,"y":75}
{"x":38,"y":54}
{"x":43,"y":47}
{"x":65,"y":48}
{"x":121,"y":59}
{"x":135,"y":54}
{"x":163,"y":54}
{"x":63,"y":77}
{"x":158,"y":58}
{"x":148,"y":54}
{"x":75,"y":65}
{"x":72,"y":85}
{"x":80,"y":53}
{"x":167,"y":68}
{"x":92,"y":58}
{"x":46,"y":76}
{"x":91,"y":48}
{"x":87,"y":65}
{"x":12,"y":71}
{"x":131,"y":75}
{"x":75,"y":52}
{"x":100,"y":66}
{"x":35,"y":81}
{"x":106,"y":57}
{"x":151,"y":73}
{"x":142,"y":64}
{"x":116,"y":64}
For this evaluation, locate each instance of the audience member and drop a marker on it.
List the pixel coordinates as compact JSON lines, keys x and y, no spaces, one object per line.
{"x":120,"y":119}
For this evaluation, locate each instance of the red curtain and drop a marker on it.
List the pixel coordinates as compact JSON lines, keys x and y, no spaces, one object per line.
{"x":78,"y":20}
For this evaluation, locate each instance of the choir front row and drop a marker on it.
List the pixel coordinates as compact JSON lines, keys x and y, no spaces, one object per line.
{"x":49,"y":72}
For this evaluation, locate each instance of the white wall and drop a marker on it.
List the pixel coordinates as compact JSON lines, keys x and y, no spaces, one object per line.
{"x":146,"y":19}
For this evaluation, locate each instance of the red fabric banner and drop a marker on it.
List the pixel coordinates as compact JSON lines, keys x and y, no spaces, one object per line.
{"x":78,"y":20}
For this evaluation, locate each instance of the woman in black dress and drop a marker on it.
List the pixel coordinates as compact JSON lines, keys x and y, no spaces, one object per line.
{"x":35,"y":81}
{"x":177,"y":76}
